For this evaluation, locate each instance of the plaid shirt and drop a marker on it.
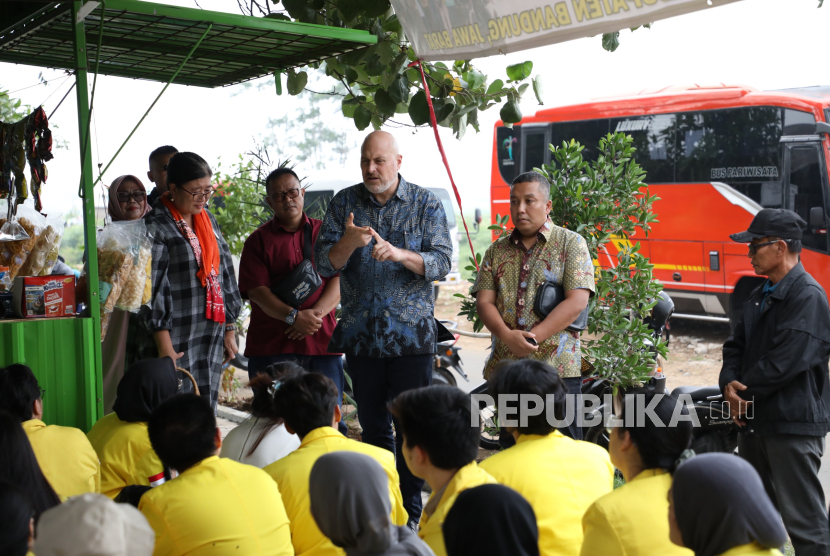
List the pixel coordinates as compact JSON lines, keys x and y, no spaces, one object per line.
{"x":387,"y":308}
{"x":179,"y":305}
{"x":515,"y":273}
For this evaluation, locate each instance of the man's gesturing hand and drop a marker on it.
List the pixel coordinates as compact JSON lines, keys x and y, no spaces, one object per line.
{"x":357,"y":236}
{"x":385,"y":251}
{"x":516,"y":341}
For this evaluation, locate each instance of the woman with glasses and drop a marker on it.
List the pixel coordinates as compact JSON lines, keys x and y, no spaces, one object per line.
{"x":630,"y":520}
{"x":195,"y":299}
{"x":127,"y":201}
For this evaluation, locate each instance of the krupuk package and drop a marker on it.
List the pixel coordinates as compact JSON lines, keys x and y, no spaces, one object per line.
{"x":44,"y":296}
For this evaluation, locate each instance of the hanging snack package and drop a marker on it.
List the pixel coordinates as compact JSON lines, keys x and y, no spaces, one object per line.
{"x":47,"y":242}
{"x":57,"y":223}
{"x":116,"y":253}
{"x":10,"y":229}
{"x":133,"y":294}
{"x":14,"y":254}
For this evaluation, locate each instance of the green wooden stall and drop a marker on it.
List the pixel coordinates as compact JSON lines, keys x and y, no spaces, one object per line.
{"x":141,"y":40}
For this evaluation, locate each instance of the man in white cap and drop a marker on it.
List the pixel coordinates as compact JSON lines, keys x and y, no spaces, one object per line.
{"x":93,"y":525}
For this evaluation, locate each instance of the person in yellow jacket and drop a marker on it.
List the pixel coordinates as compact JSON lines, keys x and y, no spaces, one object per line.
{"x":65,"y":455}
{"x":440,"y":446}
{"x":308,"y":405}
{"x":646,"y":455}
{"x":215,"y":505}
{"x":120,"y":439}
{"x":559,"y":476}
{"x":718,"y":507}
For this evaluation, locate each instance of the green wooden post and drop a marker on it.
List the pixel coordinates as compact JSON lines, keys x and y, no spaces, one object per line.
{"x":91,"y":371}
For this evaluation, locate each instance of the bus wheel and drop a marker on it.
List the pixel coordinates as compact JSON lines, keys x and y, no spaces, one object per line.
{"x":739,"y":296}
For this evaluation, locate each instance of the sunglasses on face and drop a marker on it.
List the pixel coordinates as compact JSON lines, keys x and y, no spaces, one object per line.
{"x":125,"y":196}
{"x":753,"y":247}
{"x":281,"y":196}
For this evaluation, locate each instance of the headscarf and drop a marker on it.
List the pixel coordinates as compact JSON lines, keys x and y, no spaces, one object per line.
{"x":206,"y":251}
{"x":114,"y":208}
{"x":720,"y":503}
{"x":145,"y":385}
{"x":491,"y":520}
{"x":350,"y":503}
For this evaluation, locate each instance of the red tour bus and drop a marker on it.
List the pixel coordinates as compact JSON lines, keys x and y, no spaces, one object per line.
{"x":715,"y":156}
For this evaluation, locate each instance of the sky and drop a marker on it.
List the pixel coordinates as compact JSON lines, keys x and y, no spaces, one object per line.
{"x":766,"y":44}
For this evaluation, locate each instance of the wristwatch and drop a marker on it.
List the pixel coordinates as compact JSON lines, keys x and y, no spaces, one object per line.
{"x":291,"y":316}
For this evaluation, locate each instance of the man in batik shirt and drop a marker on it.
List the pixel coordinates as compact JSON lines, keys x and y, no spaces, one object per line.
{"x":514,"y":267}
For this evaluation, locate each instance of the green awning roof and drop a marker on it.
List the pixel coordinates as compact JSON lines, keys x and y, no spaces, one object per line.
{"x":145,"y":40}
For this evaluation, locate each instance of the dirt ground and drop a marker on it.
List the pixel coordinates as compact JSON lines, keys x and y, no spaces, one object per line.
{"x":694,"y":348}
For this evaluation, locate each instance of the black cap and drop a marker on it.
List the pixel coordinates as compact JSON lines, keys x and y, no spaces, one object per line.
{"x":781,"y":223}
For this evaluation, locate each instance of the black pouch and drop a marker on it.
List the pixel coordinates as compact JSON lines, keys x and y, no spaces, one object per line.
{"x":302,"y":282}
{"x":548,"y":296}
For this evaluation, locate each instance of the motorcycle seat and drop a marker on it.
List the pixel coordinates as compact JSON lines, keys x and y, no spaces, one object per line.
{"x":697,"y":392}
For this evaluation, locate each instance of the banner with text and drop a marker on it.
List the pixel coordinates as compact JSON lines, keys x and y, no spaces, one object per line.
{"x":465,"y":29}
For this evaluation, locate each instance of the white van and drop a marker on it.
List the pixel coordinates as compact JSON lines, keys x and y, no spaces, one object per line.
{"x":320,"y":192}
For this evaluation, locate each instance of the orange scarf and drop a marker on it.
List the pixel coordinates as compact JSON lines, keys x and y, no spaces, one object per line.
{"x":209,"y":265}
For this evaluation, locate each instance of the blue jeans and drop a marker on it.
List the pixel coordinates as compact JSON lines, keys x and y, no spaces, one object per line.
{"x":326,"y":365}
{"x":376,"y":382}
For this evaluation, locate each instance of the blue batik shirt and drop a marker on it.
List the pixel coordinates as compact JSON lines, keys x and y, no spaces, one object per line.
{"x":387,"y":310}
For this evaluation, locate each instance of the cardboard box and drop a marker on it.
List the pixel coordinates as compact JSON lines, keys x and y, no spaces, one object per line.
{"x":44,"y":296}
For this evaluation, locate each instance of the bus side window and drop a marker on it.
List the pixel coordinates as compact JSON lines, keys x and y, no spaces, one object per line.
{"x":805,"y":191}
{"x":535,"y":147}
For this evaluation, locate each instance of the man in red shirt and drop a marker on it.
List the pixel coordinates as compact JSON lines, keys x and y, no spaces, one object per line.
{"x":279,"y":332}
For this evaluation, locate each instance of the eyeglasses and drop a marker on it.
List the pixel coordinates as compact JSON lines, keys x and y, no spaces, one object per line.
{"x":199,"y":196}
{"x":125,"y":196}
{"x":753,"y":247}
{"x":42,"y":392}
{"x":281,"y":196}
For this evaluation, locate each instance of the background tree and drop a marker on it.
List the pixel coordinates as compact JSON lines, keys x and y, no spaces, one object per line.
{"x":314,"y":135}
{"x":11,"y":109}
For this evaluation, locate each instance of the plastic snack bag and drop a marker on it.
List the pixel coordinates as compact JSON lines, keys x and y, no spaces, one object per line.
{"x":115,"y":260}
{"x":52,"y":254}
{"x":133,"y":294}
{"x":47,"y":242}
{"x":14,"y":254}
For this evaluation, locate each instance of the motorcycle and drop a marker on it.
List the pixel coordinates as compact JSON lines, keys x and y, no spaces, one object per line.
{"x":447,"y":358}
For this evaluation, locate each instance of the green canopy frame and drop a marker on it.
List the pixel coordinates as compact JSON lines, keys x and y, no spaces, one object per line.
{"x":140,"y":40}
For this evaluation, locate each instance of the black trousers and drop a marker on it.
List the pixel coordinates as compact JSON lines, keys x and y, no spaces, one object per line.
{"x":574,"y":430}
{"x":788,"y":465}
{"x":377,"y":381}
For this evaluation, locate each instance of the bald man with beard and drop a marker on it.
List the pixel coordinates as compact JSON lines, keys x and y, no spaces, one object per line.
{"x":389,"y":241}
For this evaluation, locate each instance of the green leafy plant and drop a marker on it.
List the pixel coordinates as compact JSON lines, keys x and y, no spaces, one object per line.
{"x":379,"y":87}
{"x":606,"y":201}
